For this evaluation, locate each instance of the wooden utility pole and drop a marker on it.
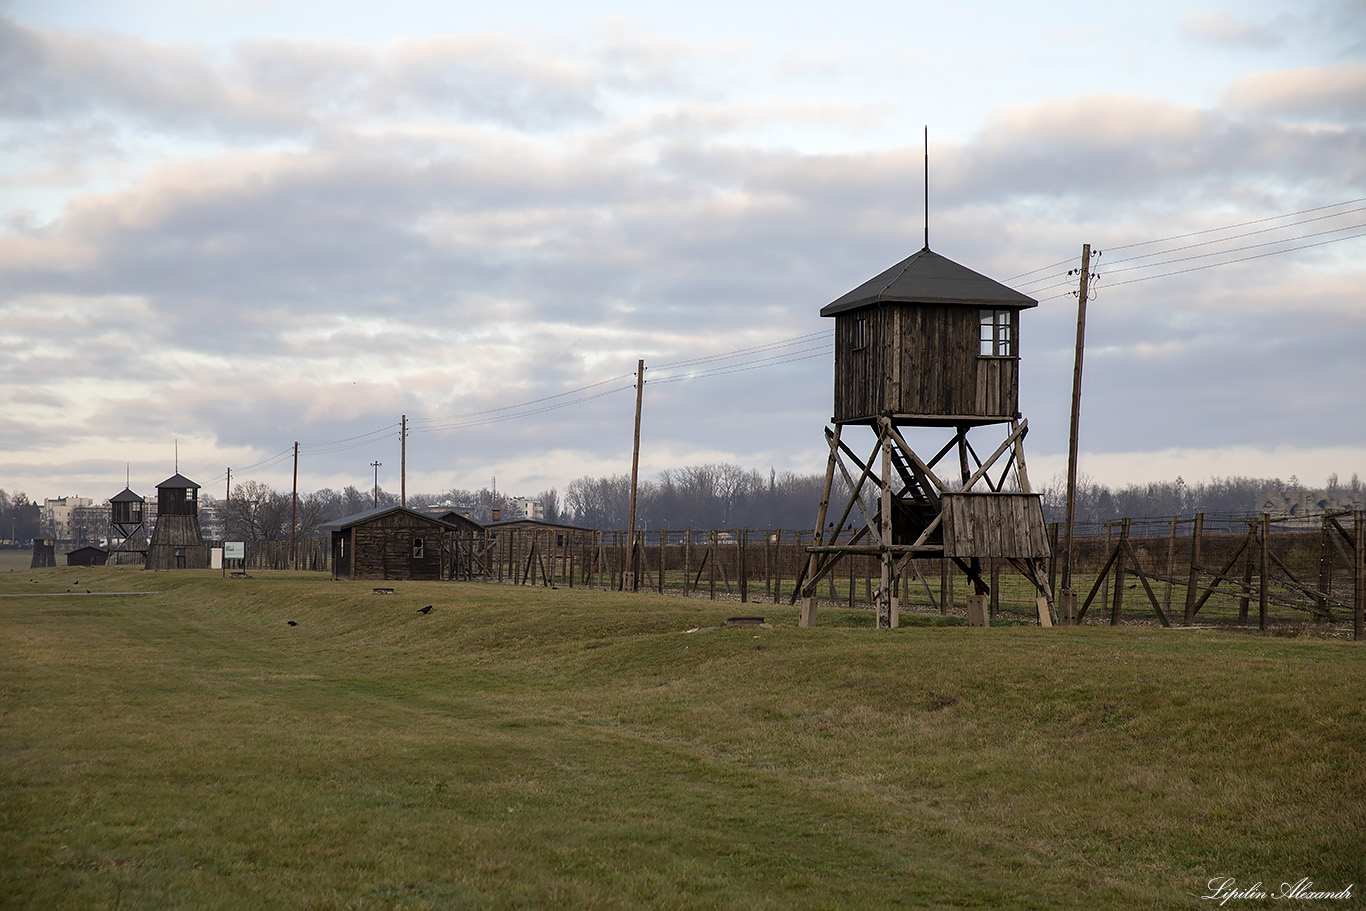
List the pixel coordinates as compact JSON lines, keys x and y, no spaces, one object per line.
{"x":403,"y":464}
{"x":294,"y":509}
{"x":635,"y":471}
{"x":1076,"y":421}
{"x":227,"y":503}
{"x":376,"y":465}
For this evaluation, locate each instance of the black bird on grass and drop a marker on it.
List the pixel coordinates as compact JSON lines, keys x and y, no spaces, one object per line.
{"x":425,"y":610}
{"x":291,"y":623}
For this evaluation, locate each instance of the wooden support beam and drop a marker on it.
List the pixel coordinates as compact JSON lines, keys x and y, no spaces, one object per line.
{"x":929,"y":482}
{"x":1015,"y":433}
{"x":1143,"y":577}
{"x":1194,"y":604}
{"x":1100,"y":579}
{"x":807,"y":616}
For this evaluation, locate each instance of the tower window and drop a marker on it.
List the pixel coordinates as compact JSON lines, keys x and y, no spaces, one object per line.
{"x":860,"y":334}
{"x":997,"y":338}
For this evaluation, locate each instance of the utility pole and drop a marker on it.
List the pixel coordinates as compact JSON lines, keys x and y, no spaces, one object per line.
{"x":1069,"y":607}
{"x":227,"y":503}
{"x":635,"y":472}
{"x":375,"y":465}
{"x":403,"y":465}
{"x":294,"y":509}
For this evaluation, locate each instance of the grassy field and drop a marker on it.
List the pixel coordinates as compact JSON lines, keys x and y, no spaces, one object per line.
{"x":515,"y":747}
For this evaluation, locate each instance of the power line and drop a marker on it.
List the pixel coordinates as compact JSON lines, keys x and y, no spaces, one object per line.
{"x":741,"y":352}
{"x":1269,"y":243}
{"x":1045,"y":283}
{"x":802,"y":354}
{"x":491,"y":418}
{"x":1242,"y":259}
{"x":1241,"y":224}
{"x":473,"y":418}
{"x":1223,"y":240}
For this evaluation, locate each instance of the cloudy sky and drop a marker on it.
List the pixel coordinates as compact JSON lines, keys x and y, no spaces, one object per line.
{"x":230,"y":225}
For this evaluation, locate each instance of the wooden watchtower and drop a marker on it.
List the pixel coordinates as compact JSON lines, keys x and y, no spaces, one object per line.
{"x":127,"y":528}
{"x":177,"y":542}
{"x":933,"y":346}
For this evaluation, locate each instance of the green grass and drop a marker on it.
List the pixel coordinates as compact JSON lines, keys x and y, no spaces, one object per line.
{"x":523,"y":747}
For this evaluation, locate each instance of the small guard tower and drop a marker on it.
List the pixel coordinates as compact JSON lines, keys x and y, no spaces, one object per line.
{"x":177,"y":542}
{"x":44,"y":553}
{"x":933,"y":346}
{"x":127,"y":528}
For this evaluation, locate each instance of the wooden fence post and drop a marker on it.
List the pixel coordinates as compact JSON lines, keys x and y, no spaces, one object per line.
{"x":1245,"y":599}
{"x":1192,"y":585}
{"x":1359,"y":576}
{"x":1105,"y":588}
{"x":778,"y":567}
{"x":742,"y":543}
{"x":1325,"y":565}
{"x":1266,"y":576}
{"x":713,"y":554}
{"x":995,"y":588}
{"x":1053,"y":557}
{"x":1171,"y":570}
{"x":1117,"y":611}
{"x":945,"y":585}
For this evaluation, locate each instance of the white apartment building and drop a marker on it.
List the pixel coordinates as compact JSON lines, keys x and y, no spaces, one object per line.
{"x":57,"y":515}
{"x":523,"y":508}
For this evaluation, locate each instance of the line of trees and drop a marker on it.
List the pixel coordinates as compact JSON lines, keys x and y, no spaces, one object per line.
{"x":21,"y":519}
{"x":724,"y":495}
{"x":1231,"y":496}
{"x":708,"y":496}
{"x":714,"y":495}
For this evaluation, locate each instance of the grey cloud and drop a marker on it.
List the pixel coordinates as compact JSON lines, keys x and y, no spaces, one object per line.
{"x":1336,"y":93}
{"x":286,"y":88}
{"x":1223,"y":28}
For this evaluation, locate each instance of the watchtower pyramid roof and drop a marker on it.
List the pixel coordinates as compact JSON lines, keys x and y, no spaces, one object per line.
{"x":926,"y":277}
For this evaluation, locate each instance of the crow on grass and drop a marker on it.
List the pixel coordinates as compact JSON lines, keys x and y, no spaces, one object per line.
{"x":425,"y":610}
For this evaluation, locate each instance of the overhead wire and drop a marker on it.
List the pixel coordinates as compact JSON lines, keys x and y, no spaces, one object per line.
{"x":1222,"y":240}
{"x":1289,"y":244}
{"x":1241,"y":259}
{"x":1241,"y":224}
{"x":475,"y":418}
{"x":513,"y":412}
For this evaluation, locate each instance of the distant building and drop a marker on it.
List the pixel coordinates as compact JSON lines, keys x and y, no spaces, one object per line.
{"x":522,"y":508}
{"x":87,"y":556}
{"x":1305,"y":508}
{"x":390,"y":543}
{"x":58,"y":514}
{"x":447,"y":508}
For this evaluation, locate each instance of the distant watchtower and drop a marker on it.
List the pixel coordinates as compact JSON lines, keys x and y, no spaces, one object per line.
{"x":931,"y":344}
{"x":127,"y":528}
{"x":177,"y":542}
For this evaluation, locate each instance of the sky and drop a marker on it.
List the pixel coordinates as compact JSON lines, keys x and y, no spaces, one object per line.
{"x":230,"y":226}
